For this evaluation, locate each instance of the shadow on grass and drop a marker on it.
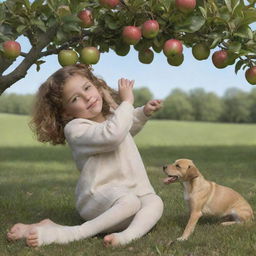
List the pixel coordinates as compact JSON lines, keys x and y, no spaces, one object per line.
{"x":53,"y":190}
{"x":152,"y":154}
{"x":35,"y":154}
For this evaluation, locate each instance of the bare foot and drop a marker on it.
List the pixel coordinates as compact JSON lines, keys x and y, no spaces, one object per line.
{"x":42,"y":234}
{"x":20,"y":230}
{"x":33,"y":238}
{"x":110,"y":240}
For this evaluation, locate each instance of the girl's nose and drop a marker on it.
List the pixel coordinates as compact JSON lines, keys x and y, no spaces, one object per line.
{"x":86,"y":96}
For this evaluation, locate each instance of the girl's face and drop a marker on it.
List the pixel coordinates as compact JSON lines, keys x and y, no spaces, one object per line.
{"x":82,"y":99}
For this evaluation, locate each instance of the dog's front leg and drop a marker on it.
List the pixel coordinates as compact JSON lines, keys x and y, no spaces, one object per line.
{"x":194,"y":217}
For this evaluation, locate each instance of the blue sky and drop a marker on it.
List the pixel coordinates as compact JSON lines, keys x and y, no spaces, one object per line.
{"x":158,"y":76}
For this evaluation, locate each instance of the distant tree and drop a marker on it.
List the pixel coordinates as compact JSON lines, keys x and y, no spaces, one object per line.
{"x":16,"y":104}
{"x":252,"y":97}
{"x":176,"y":107}
{"x":237,"y":106}
{"x":206,"y":106}
{"x":142,"y":96}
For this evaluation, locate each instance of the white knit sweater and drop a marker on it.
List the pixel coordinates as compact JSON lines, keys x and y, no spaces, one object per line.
{"x":106,"y":155}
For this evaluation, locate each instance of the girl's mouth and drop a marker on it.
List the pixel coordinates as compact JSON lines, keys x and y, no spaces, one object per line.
{"x":92,"y":104}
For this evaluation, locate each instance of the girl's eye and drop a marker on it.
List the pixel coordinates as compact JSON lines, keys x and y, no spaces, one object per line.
{"x":74,"y":99}
{"x":87,"y":87}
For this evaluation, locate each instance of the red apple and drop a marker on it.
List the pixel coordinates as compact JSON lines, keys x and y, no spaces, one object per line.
{"x":220,"y":59}
{"x":200,"y":51}
{"x":185,"y":6}
{"x":131,"y":35}
{"x":146,"y":56}
{"x":67,"y":57}
{"x":172,"y":47}
{"x":250,"y":75}
{"x":150,"y":29}
{"x":86,"y":17}
{"x":176,"y":60}
{"x":11,"y":49}
{"x":89,"y":55}
{"x":110,"y":4}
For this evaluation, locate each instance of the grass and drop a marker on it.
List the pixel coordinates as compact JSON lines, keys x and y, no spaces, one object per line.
{"x":37,"y":181}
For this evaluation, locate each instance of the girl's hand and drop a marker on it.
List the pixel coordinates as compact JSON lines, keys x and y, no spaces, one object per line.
{"x":125,"y":87}
{"x":152,"y":106}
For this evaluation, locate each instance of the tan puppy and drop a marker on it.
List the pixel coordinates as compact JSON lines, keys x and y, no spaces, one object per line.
{"x":206,"y":197}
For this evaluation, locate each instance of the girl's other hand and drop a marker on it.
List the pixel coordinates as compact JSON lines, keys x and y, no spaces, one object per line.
{"x":152,"y":106}
{"x":125,"y":87}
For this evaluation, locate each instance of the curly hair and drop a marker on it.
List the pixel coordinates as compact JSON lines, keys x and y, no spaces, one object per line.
{"x":47,"y":122}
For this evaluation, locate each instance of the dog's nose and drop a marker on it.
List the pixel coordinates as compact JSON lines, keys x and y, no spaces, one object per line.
{"x":164,"y":167}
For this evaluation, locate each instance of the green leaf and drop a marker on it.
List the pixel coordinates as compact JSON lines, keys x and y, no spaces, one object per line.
{"x":224,"y":13}
{"x":60,"y":37}
{"x":203,"y":11}
{"x":4,"y":38}
{"x":104,"y":47}
{"x":191,"y":24}
{"x":38,"y":63}
{"x":229,"y":5}
{"x":27,"y":4}
{"x":249,"y":16}
{"x":71,"y":19}
{"x":234,"y":46}
{"x":111,"y":22}
{"x":244,"y":32}
{"x":235,"y":4}
{"x":51,"y":5}
{"x":71,"y":28}
{"x":37,"y":4}
{"x":21,"y":28}
{"x":39,"y":23}
{"x":238,"y":66}
{"x":2,"y":13}
{"x":168,"y":3}
{"x":215,"y":42}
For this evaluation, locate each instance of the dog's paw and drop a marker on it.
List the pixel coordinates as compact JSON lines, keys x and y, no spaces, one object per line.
{"x":182,"y":238}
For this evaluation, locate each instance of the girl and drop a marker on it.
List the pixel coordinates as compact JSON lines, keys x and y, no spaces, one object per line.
{"x":113,"y":193}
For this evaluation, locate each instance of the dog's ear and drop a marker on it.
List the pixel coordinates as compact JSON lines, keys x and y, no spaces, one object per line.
{"x":192,"y":172}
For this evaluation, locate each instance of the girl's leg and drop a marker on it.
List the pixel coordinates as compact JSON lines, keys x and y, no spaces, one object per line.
{"x":150,"y":212}
{"x":123,"y":208}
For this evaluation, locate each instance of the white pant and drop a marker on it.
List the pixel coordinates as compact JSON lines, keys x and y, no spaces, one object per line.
{"x":134,"y":215}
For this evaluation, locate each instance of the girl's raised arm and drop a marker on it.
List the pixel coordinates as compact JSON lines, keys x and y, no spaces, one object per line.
{"x":91,"y":138}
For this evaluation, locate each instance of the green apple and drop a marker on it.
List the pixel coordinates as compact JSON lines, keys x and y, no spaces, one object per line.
{"x":146,"y":56}
{"x":89,"y":55}
{"x":176,"y":60}
{"x":201,"y":51}
{"x":67,"y":57}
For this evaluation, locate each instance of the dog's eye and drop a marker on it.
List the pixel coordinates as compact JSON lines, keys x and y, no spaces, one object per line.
{"x":177,"y":166}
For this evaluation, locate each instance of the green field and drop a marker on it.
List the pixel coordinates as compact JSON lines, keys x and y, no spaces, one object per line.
{"x":38,"y":181}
